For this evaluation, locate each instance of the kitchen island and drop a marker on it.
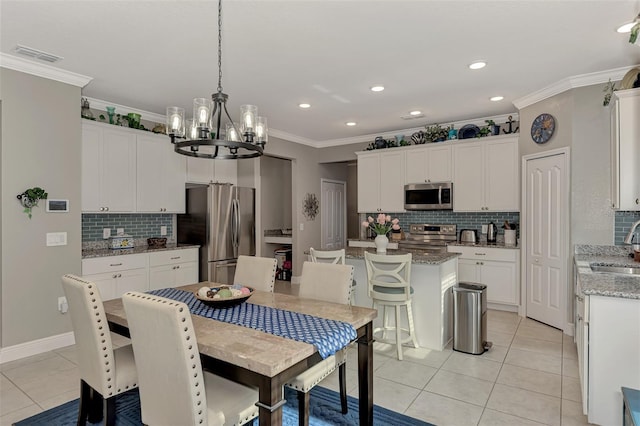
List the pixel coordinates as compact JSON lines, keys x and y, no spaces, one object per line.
{"x":607,"y":330}
{"x":432,"y":277}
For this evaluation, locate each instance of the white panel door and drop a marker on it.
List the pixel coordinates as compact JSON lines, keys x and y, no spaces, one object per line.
{"x":545,"y":259}
{"x":334,"y":214}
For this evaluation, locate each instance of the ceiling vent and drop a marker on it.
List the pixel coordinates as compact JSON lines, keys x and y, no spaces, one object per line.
{"x":412,"y":117}
{"x":37,"y":54}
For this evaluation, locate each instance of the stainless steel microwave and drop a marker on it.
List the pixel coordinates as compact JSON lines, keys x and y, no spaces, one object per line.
{"x":428,"y":196}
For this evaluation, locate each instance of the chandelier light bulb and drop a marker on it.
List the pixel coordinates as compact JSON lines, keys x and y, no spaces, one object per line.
{"x":175,"y":121}
{"x":261,"y":130}
{"x":248,"y":114}
{"x":201,"y":111}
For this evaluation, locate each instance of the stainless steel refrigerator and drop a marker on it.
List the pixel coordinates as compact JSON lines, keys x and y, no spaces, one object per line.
{"x":221,"y":219}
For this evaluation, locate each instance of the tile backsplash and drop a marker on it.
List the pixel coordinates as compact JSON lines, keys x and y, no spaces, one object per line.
{"x":136,"y":225}
{"x":623,"y":223}
{"x":465,"y":220}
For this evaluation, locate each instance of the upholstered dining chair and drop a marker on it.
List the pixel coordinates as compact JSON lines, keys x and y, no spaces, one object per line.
{"x":332,"y":256}
{"x":389,"y":285}
{"x":103,"y":369}
{"x":174,"y":390}
{"x":256,"y":272}
{"x":329,"y":283}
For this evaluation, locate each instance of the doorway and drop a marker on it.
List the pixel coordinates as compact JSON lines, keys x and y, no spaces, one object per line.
{"x":333,"y":204}
{"x":545,"y":236}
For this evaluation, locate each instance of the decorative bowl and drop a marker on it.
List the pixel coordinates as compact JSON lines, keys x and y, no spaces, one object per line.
{"x":224,"y":302}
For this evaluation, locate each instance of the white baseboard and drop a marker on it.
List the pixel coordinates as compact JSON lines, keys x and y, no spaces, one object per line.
{"x":35,"y":347}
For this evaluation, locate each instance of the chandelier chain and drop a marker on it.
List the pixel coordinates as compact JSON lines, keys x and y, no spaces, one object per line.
{"x":219,"y":45}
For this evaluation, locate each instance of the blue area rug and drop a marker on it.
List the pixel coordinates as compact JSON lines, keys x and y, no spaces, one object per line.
{"x":324,"y":411}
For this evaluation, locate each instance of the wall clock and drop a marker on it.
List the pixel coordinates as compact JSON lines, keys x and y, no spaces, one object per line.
{"x":542,"y":128}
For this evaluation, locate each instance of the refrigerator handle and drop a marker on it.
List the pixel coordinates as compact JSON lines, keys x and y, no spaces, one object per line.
{"x":235,"y":226}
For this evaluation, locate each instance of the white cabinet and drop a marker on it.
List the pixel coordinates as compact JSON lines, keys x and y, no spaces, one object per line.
{"x":485,"y":175}
{"x":381,"y":182}
{"x":497,"y":268}
{"x":161,"y":175}
{"x":608,"y":343}
{"x":108,"y":169}
{"x":115,"y":275}
{"x":173,"y":268}
{"x":625,"y":150}
{"x":429,"y":164}
{"x":204,"y":170}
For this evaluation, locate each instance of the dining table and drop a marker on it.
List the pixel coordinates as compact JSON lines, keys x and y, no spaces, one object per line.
{"x":267,"y":361}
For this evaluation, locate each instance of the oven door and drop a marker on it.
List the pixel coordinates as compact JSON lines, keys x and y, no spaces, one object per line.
{"x":428,"y":196}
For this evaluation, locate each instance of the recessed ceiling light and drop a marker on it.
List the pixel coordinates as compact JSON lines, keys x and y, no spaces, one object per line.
{"x":626,"y":27}
{"x":496,"y":98}
{"x":350,"y":123}
{"x":377,"y":88}
{"x":304,"y":106}
{"x":416,"y":112}
{"x":477,"y":65}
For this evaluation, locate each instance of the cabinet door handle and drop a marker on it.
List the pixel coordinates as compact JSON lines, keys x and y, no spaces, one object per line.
{"x":175,"y":258}
{"x":116,"y":264}
{"x":115,"y":276}
{"x":579,"y":317}
{"x":480,"y":254}
{"x":637,"y":201}
{"x":580,"y":298}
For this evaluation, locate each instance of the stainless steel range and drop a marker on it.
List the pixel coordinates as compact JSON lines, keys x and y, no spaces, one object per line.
{"x":429,"y":237}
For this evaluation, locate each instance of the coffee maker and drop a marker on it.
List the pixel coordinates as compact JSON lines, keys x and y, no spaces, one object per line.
{"x":492,"y":232}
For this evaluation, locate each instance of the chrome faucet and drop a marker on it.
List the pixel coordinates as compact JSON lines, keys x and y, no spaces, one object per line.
{"x":629,"y":238}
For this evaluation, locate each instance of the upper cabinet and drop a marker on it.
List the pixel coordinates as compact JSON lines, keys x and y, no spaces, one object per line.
{"x":625,"y":150}
{"x":204,"y":170}
{"x":161,"y":175}
{"x":108,"y":169}
{"x":380,"y":182}
{"x":129,"y":171}
{"x":428,"y":164}
{"x":485,"y":176}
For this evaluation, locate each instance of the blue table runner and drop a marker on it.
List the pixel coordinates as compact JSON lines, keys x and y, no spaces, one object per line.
{"x":328,"y":336}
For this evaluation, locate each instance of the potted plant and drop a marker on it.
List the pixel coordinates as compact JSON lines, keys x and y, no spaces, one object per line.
{"x":30,"y":198}
{"x":436,"y":133}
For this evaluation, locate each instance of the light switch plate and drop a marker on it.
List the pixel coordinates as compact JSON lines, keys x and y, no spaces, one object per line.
{"x":106,"y":233}
{"x":56,"y":239}
{"x":302,"y":226}
{"x":119,"y":231}
{"x":163,"y":230}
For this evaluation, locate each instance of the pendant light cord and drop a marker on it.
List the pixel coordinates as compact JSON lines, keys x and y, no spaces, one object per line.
{"x":219,"y":46}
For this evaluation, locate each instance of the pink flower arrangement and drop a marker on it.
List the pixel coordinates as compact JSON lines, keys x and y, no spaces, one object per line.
{"x":382,"y":225}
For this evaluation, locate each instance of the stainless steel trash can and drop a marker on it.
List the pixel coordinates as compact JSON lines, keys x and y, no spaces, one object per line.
{"x":470,"y":318}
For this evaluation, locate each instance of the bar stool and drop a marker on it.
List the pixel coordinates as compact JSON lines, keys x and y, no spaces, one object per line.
{"x":390,"y":286}
{"x":336,"y":257}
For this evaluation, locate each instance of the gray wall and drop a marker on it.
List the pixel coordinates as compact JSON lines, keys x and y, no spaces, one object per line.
{"x":275,"y":209}
{"x":41,"y":142}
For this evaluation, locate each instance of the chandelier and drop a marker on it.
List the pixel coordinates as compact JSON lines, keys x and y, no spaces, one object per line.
{"x":203,"y":137}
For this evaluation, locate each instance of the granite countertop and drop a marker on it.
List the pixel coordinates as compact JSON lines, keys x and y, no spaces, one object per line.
{"x":91,"y":253}
{"x":419,"y":256}
{"x":607,"y":284}
{"x":500,"y":245}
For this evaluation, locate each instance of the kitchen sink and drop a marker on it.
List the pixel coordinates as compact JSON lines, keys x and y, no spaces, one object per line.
{"x":615,"y":269}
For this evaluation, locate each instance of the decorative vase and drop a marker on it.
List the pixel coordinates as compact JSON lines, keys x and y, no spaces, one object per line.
{"x":381,"y":242}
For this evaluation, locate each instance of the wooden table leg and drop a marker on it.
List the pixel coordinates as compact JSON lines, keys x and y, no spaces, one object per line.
{"x":270,"y":402}
{"x":365,"y":376}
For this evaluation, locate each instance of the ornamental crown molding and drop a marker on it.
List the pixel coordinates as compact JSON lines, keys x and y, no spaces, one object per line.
{"x":569,"y":83}
{"x":42,"y":70}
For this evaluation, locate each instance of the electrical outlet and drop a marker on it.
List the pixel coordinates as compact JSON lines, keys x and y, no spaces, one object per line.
{"x":484,"y":229}
{"x":119,"y":231}
{"x":163,"y":230}
{"x":63,"y":307}
{"x":106,"y":233}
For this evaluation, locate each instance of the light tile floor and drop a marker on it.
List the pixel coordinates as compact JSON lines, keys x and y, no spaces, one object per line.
{"x":529,"y":377}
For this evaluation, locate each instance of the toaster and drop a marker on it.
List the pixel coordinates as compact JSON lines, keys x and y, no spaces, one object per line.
{"x":468,"y":236}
